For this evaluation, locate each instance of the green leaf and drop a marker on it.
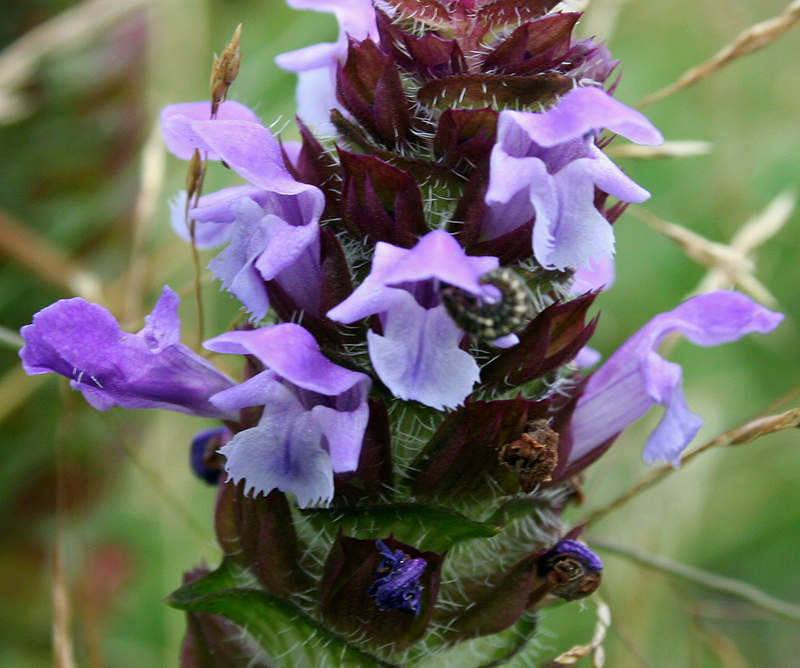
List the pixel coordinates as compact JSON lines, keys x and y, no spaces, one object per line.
{"x":484,"y":652}
{"x":288,"y":634}
{"x":222,"y":578}
{"x":496,"y":608}
{"x":212,"y":641}
{"x":427,"y":527}
{"x":520,"y":508}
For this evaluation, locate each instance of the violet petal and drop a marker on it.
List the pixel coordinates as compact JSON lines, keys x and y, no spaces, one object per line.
{"x":151,"y":369}
{"x":635,"y":377}
{"x":586,"y":110}
{"x":418,"y":357}
{"x":599,"y":274}
{"x":573,"y":232}
{"x":284,"y":451}
{"x":334,"y":397}
{"x":248,"y":148}
{"x":268,"y":239}
{"x":316,"y":65}
{"x":198,"y":111}
{"x":206,"y":234}
{"x":437,"y":255}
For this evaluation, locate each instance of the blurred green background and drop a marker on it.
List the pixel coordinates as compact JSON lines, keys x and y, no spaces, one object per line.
{"x":84,"y":183}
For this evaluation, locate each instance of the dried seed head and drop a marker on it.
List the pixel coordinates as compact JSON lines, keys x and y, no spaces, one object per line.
{"x":225,"y":70}
{"x":534,"y":456}
{"x":194,"y":177}
{"x":571,"y":570}
{"x":485,"y":319}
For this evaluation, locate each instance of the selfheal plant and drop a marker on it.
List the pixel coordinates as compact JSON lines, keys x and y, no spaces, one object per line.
{"x":411,"y":422}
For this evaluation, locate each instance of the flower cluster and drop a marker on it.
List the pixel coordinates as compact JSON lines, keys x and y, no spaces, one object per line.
{"x":417,"y":274}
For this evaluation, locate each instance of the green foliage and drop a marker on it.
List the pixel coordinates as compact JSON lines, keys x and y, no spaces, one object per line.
{"x":429,"y":527}
{"x":280,"y":627}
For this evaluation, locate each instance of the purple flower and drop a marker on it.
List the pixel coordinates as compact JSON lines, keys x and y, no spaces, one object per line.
{"x":314,"y":418}
{"x":151,"y":369}
{"x":202,"y":453}
{"x":177,"y":118}
{"x":206,"y":235}
{"x":570,"y":569}
{"x":182,"y":137}
{"x":397,"y":585}
{"x":587,"y":358}
{"x":594,"y":61}
{"x":599,"y":274}
{"x":548,"y":165}
{"x":275,"y":237}
{"x":591,"y":562}
{"x":635,"y":377}
{"x":273,"y":224}
{"x":418,"y":355}
{"x":317,"y":65}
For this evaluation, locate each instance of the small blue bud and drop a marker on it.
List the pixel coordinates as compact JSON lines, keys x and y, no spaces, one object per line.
{"x":397,"y":585}
{"x":589,"y":560}
{"x":203,"y":453}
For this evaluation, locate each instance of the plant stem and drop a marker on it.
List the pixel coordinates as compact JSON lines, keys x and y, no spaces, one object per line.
{"x":738,"y":436}
{"x":718,"y":583}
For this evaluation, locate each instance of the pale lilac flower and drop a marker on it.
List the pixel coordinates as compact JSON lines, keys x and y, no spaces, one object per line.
{"x":547,"y":165}
{"x":292,"y":150}
{"x":599,"y":274}
{"x":273,"y":224}
{"x":151,"y":369}
{"x":635,"y":377}
{"x":275,"y":237}
{"x":316,"y":65}
{"x":314,"y":418}
{"x":176,"y":117}
{"x":206,"y":235}
{"x":587,"y":358}
{"x":418,"y":355}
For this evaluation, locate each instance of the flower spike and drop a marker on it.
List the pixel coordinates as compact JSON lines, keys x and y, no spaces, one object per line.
{"x":417,"y":280}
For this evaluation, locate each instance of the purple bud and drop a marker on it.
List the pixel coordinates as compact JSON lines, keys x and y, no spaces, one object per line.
{"x":203,"y":454}
{"x":397,"y":585}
